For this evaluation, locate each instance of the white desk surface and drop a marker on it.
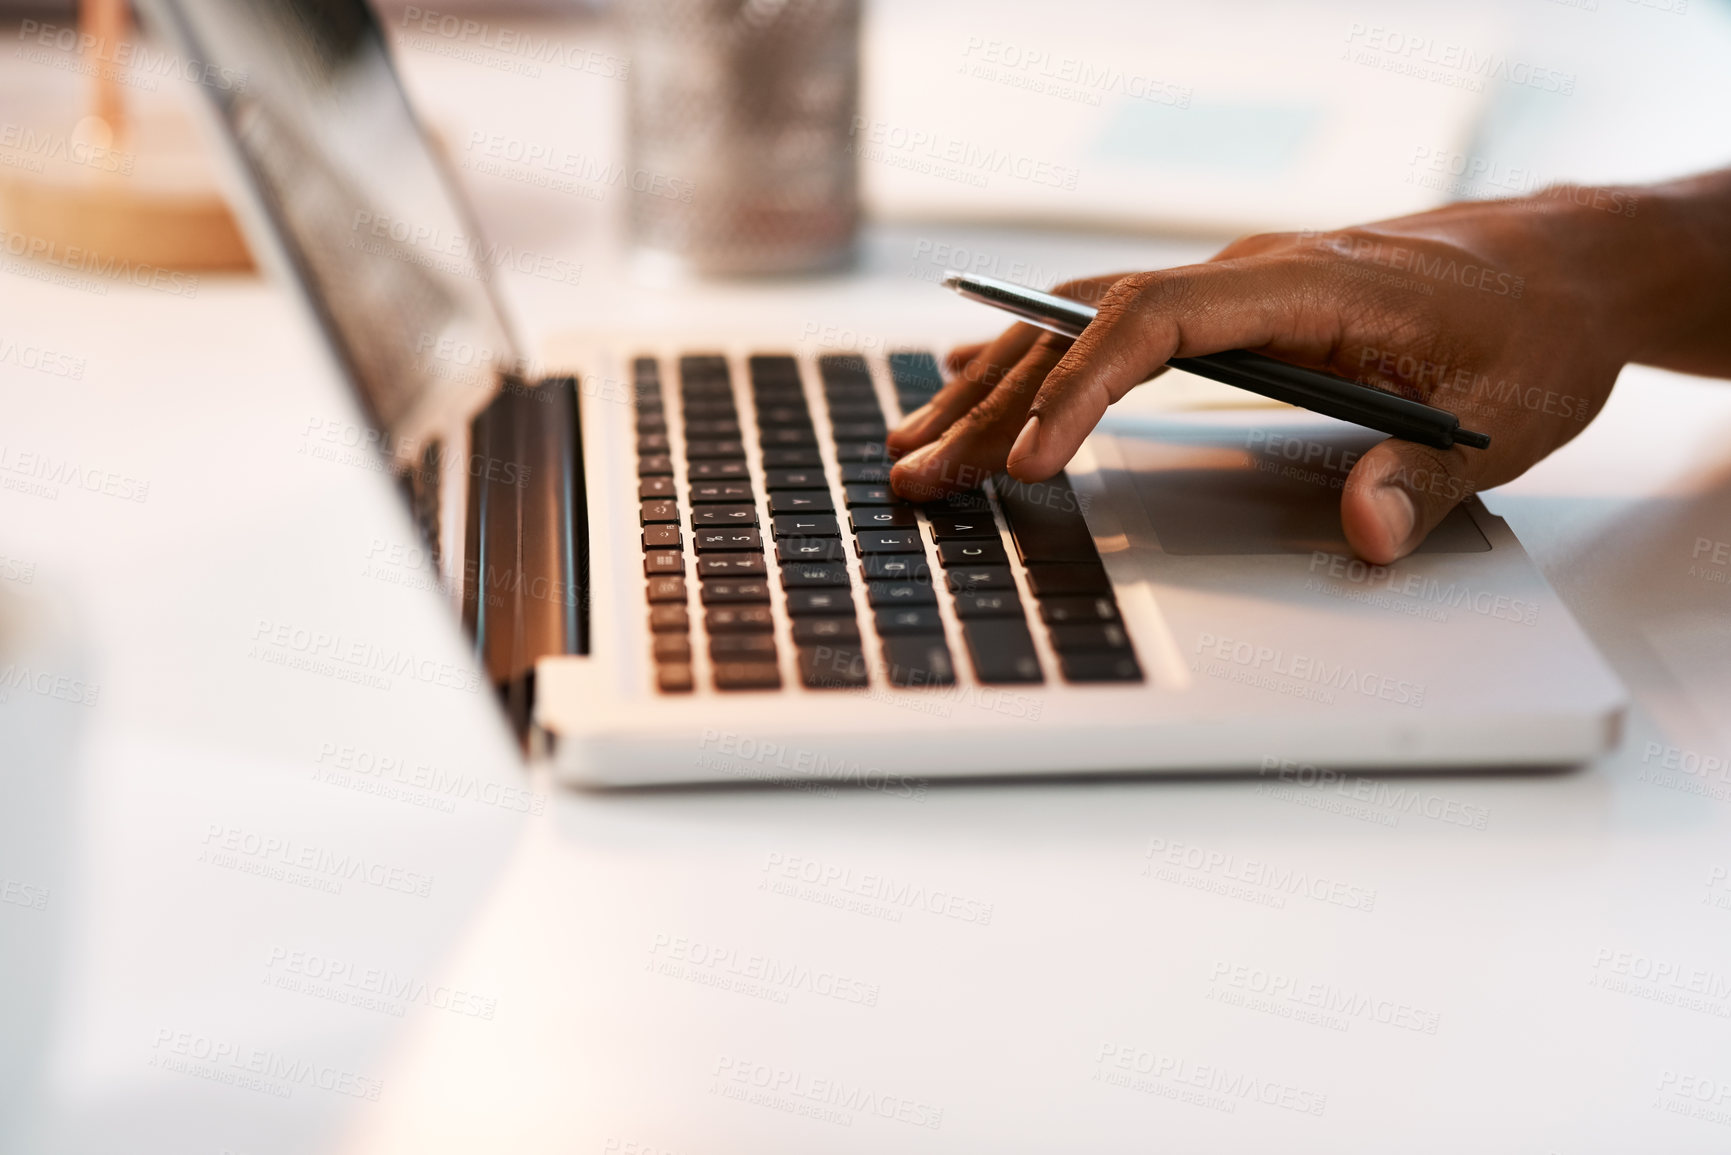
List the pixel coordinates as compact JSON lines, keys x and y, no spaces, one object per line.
{"x":1535,"y":963}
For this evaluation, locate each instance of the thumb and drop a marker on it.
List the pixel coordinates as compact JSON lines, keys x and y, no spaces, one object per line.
{"x":1398,"y":492}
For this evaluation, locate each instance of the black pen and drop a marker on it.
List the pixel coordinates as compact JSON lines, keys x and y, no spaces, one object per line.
{"x":1319,"y":392}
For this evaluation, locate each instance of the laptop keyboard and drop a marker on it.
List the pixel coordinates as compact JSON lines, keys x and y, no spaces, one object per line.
{"x":739,"y":533}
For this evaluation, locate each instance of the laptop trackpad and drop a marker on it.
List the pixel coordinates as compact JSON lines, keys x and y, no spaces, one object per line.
{"x":1225,"y":489}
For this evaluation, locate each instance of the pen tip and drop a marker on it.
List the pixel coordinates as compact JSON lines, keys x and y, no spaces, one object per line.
{"x":951,"y":281}
{"x":1473,"y":440}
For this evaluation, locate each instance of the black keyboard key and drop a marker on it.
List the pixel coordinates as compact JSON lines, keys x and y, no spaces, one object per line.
{"x":662,"y":537}
{"x":772,"y":367}
{"x":801,"y":501}
{"x":655,"y":465}
{"x":890,"y":541}
{"x":864,"y":409}
{"x":859,"y":430}
{"x":971,"y":501}
{"x":660,"y":562}
{"x":652,"y":443}
{"x":832,"y":667}
{"x":719,"y":471}
{"x":895,"y":567}
{"x":909,"y":620}
{"x":972,"y":551}
{"x":787,"y":438}
{"x":1059,"y":611}
{"x":674,"y":678}
{"x":700,"y":365}
{"x":783,"y":415}
{"x":807,"y":525}
{"x":712,"y":427}
{"x":669,"y":619}
{"x":775,"y":479}
{"x":725,"y":591}
{"x":807,"y":575}
{"x":819,"y":602}
{"x":883,"y":517}
{"x":862,"y":494}
{"x":713,"y":565}
{"x":918,"y":660}
{"x":737,"y":647}
{"x":861,"y":451}
{"x":967,"y":578}
{"x":885,"y":594}
{"x":654,"y":511}
{"x":1093,"y":637}
{"x":877,"y":473}
{"x":1002,"y":650}
{"x":708,"y":448}
{"x":667,"y":589}
{"x":1046,"y":520}
{"x":651,"y":488}
{"x":915,"y":372}
{"x":704,"y":408}
{"x":988,"y":604}
{"x":1051,"y":579}
{"x":792,"y":459}
{"x":809,"y":549}
{"x":809,"y":631}
{"x":953,"y":527}
{"x":1100,"y":667}
{"x":727,"y":540}
{"x":722,"y":516}
{"x":839,"y":367}
{"x":720,"y":492}
{"x":747,"y":676}
{"x":736,"y":619}
{"x":671,"y":648}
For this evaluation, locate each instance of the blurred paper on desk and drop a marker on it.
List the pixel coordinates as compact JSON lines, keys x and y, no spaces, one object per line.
{"x":1209,"y":117}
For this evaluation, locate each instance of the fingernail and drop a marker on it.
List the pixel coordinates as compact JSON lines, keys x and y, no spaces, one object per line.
{"x":918,"y":458}
{"x":1027,"y":441}
{"x":1394,"y":506}
{"x":912,"y":420}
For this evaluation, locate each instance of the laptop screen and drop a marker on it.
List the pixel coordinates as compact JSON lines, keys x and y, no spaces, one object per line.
{"x":391,"y":260}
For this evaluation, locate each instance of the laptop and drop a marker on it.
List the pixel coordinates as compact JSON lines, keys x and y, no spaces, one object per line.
{"x":679,"y":561}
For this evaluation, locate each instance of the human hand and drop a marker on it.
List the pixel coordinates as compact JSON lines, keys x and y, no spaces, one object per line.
{"x":1515,"y":315}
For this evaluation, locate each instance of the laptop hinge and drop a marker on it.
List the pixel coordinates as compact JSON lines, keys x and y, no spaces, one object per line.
{"x":526,"y":573}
